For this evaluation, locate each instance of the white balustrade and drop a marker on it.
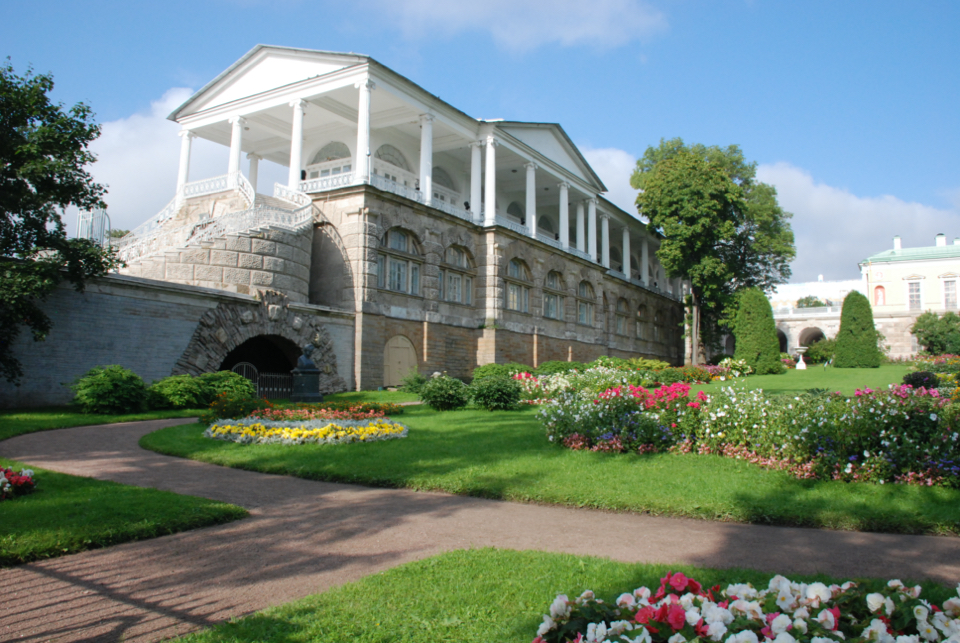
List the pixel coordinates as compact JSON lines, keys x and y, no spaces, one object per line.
{"x":281,"y":191}
{"x":550,"y":240}
{"x":329,"y":168}
{"x":387,"y":184}
{"x":511,"y":225}
{"x":327,"y":183}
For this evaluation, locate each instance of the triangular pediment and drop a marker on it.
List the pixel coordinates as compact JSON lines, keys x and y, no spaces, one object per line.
{"x":262,"y":69}
{"x":550,"y":140}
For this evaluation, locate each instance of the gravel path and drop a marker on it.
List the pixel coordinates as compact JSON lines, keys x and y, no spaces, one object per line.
{"x":303,"y":537}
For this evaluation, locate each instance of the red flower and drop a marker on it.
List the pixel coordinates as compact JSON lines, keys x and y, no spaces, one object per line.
{"x":644,"y":614}
{"x":678,"y":582}
{"x":677,"y":617}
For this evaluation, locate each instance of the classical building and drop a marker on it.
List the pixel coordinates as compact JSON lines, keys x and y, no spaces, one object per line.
{"x":452,"y":241}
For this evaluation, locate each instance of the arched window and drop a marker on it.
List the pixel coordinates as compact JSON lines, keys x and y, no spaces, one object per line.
{"x":441,"y":178}
{"x":332,"y":159}
{"x":398,"y":262}
{"x":585,"y":302}
{"x":393,"y":156}
{"x":641,"y":320}
{"x":456,"y":276}
{"x":879,"y":296}
{"x":518,"y":288}
{"x":622,"y":316}
{"x":515,"y":210}
{"x":545,"y":225}
{"x":553,"y":295}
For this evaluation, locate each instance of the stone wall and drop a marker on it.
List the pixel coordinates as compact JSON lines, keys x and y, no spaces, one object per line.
{"x":141,"y":324}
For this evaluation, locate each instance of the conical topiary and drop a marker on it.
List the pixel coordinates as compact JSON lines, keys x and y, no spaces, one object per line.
{"x":857,"y":339}
{"x":756,"y":333}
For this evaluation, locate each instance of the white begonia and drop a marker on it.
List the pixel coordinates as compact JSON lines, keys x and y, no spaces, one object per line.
{"x":560,"y":608}
{"x":784,"y":637}
{"x":818,"y":592}
{"x":803,"y":612}
{"x":877,"y":631}
{"x":586,"y":596}
{"x":693,"y":616}
{"x":826,"y":618}
{"x":642,"y":593}
{"x":779,"y":584}
{"x":889,"y":606}
{"x":741,"y":590}
{"x":619,"y":627}
{"x":875,"y":601}
{"x":686,"y":601}
{"x":642,"y":637}
{"x":897,"y":584}
{"x":787,"y":601}
{"x":677,"y":638}
{"x":920,"y":613}
{"x":927,"y":631}
{"x":626,"y":600}
{"x":952,"y":607}
{"x":716,"y":630}
{"x":914,"y":592}
{"x":941,"y":622}
{"x":780,"y":624}
{"x":547,"y":625}
{"x":912,"y":638}
{"x":800,"y":625}
{"x":714,"y":613}
{"x":822,"y":639}
{"x":596,"y":632}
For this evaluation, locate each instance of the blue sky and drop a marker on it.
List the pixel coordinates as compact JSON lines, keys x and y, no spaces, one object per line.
{"x":850,"y":109}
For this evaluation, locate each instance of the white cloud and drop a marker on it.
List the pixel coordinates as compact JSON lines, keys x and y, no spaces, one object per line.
{"x":614,"y":168}
{"x":138,"y":159}
{"x":836,"y":229}
{"x":521,"y":25}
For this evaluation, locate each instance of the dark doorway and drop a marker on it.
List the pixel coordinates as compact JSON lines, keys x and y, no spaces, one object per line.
{"x":782,"y":338}
{"x":269,"y":353}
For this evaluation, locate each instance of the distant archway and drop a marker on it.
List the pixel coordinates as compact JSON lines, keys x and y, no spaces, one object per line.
{"x":268,"y":353}
{"x":810,"y":336}
{"x":782,"y":338}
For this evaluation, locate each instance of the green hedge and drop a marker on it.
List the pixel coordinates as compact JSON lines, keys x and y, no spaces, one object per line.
{"x":756,"y":333}
{"x":857,"y":339}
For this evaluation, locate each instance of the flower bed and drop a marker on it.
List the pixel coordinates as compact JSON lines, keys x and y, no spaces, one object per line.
{"x":785,"y":612}
{"x":13,"y":484}
{"x":252,"y":431}
{"x":304,"y":414}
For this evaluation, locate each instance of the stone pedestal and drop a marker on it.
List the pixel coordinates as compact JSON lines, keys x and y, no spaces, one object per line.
{"x":306,"y":385}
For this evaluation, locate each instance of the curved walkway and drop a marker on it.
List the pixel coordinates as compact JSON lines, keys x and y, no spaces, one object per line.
{"x":303,"y":537}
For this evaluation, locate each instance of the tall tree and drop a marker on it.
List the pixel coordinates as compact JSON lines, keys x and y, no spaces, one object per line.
{"x":721,"y":228}
{"x":756,"y":333}
{"x":857,"y":339}
{"x":43,"y":156}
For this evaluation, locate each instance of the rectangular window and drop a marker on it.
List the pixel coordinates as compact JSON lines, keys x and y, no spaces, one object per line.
{"x":468,"y":291}
{"x":398,"y":275}
{"x":398,"y":241}
{"x":585,"y":313}
{"x":381,"y":271}
{"x":913,"y":291}
{"x":443,"y":277}
{"x":453,"y":287}
{"x":621,"y":325}
{"x":414,"y":279}
{"x":525,"y":292}
{"x":639,"y":330}
{"x":513,"y":297}
{"x":950,"y":294}
{"x":550,"y":306}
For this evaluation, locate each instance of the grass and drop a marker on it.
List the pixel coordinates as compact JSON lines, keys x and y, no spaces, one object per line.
{"x":395,"y":397}
{"x":505,"y":455}
{"x":845,"y":380}
{"x":68,"y":514}
{"x":504,"y":599}
{"x":19,"y":422}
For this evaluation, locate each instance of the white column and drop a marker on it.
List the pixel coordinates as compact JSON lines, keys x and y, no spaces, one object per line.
{"x":531,"y":208}
{"x":236,"y":141}
{"x":645,"y":261}
{"x":476,"y":180}
{"x":605,"y":240}
{"x":592,"y":228}
{"x":426,"y":157}
{"x":625,"y":251}
{"x":296,"y":145}
{"x":186,"y":137}
{"x":490,"y":183}
{"x":564,"y":215}
{"x":581,"y":228}
{"x":362,"y":164}
{"x":254,"y":170}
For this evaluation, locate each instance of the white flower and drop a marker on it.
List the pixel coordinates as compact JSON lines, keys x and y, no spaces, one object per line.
{"x":677,"y":638}
{"x":952,"y":607}
{"x":803,"y":612}
{"x":716,"y":630}
{"x":547,"y":625}
{"x":920,"y":613}
{"x":713,"y":613}
{"x":877,"y":631}
{"x":27,"y":472}
{"x":780,"y":624}
{"x":642,"y":637}
{"x":927,"y":631}
{"x":586,"y":596}
{"x":741,"y":591}
{"x":822,"y":639}
{"x":896,"y":584}
{"x":642,"y":593}
{"x":786,"y":601}
{"x":745,"y":636}
{"x":626,"y":600}
{"x":596,"y":632}
{"x":693,"y":616}
{"x":817,"y":593}
{"x":874,"y":601}
{"x":825,"y":618}
{"x":913,"y":638}
{"x":619,"y":627}
{"x":560,"y":607}
{"x":800,"y":625}
{"x":784,"y":637}
{"x":750,"y":609}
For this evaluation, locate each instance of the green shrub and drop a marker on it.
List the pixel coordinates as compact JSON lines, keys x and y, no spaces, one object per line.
{"x":611,"y":362}
{"x":756,"y":333}
{"x":506,"y":370}
{"x":669,"y":376}
{"x":857,"y":340}
{"x":232,"y":407}
{"x":496,"y":393}
{"x":820,"y":352}
{"x":445,"y":393}
{"x":938,"y":335}
{"x":716,"y":359}
{"x":109,"y":389}
{"x":228,"y":382}
{"x":177,"y":392}
{"x":925,"y":379}
{"x":694,"y":374}
{"x":553,"y":367}
{"x":413,"y":381}
{"x":644,"y":364}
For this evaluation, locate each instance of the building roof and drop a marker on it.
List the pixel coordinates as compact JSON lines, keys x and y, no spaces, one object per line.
{"x":915,"y":254}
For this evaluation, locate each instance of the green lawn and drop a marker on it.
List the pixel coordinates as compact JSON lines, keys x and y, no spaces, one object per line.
{"x":505,"y":455}
{"x":845,"y":380}
{"x":19,"y":422}
{"x":471,"y":596}
{"x":394,"y":397}
{"x":67,"y":514}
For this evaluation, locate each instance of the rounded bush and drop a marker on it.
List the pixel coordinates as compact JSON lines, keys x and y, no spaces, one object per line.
{"x":925,"y":379}
{"x":756,"y":333}
{"x":820,"y":352}
{"x":505,"y":370}
{"x":445,"y":393}
{"x":669,"y":376}
{"x":413,"y":381}
{"x":496,"y":393}
{"x":177,"y":392}
{"x":233,"y":384}
{"x":857,"y":339}
{"x":109,"y":389}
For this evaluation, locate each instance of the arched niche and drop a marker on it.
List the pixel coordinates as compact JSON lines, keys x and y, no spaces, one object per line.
{"x":399,"y":359}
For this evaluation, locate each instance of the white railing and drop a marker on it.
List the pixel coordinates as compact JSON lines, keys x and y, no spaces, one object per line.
{"x":512,"y":225}
{"x":234,"y":223}
{"x":389,"y":185}
{"x":458,"y":212}
{"x":394,"y":173}
{"x":327,"y":183}
{"x":445,"y":195}
{"x":329,"y":168}
{"x":820,"y":311}
{"x":617,"y":274}
{"x":550,"y":240}
{"x":281,"y":191}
